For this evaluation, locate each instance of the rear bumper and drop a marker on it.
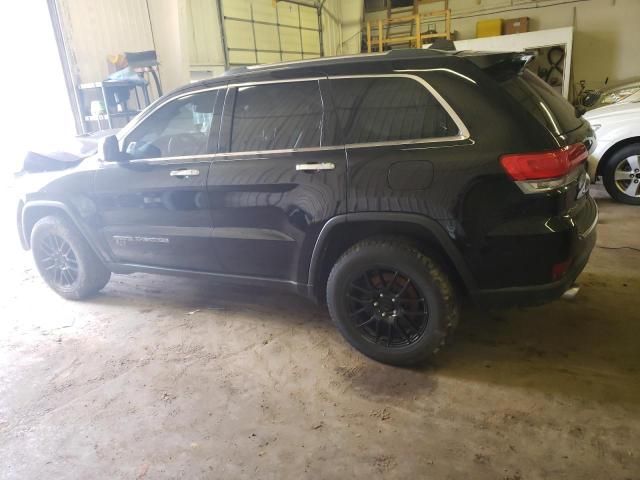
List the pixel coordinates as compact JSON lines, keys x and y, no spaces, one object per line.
{"x":532,"y":295}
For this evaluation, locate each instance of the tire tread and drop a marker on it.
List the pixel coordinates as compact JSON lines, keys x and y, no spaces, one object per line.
{"x":95,"y":274}
{"x":442,"y":335}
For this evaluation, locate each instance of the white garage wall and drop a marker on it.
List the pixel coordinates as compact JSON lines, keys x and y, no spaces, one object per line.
{"x":332,"y":27}
{"x":352,"y":16}
{"x":167,"y":20}
{"x":186,"y":33}
{"x":606,"y":38}
{"x":97,"y":28}
{"x":606,"y":31}
{"x":203,"y":33}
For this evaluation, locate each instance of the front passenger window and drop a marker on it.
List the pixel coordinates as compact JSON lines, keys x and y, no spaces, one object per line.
{"x":179,"y":128}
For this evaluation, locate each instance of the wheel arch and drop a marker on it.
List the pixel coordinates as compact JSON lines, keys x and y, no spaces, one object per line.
{"x":342,"y":232}
{"x":33,"y":211}
{"x":612,"y":150}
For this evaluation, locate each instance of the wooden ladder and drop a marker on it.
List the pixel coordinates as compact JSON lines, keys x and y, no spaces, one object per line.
{"x":401,"y":23}
{"x":403,"y":26}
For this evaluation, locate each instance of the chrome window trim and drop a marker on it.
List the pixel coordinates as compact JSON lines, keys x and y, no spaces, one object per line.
{"x":181,"y":159}
{"x":446,"y":70}
{"x":454,"y":138}
{"x":268,"y":82}
{"x":463,"y":135}
{"x":281,"y":151}
{"x":225,"y":155}
{"x":462,"y":128}
{"x":194,"y":158}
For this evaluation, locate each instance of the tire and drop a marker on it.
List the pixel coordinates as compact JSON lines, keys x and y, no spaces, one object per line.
{"x":65,"y":260}
{"x":625,"y":162}
{"x":412,"y":330}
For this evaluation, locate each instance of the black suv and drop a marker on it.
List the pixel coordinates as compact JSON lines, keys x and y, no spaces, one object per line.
{"x":388,"y":185}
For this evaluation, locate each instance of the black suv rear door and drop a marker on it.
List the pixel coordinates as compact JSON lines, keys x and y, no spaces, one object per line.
{"x":153,"y":206}
{"x":277,"y":184}
{"x":402,"y":142}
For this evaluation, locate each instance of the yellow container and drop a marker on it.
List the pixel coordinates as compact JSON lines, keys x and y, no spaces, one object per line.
{"x":489,"y":28}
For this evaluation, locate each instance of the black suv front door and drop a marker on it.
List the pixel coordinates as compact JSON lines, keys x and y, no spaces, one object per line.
{"x":276,"y":184}
{"x":153,"y":205}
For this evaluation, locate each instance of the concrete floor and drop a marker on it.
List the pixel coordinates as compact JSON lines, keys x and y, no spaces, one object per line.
{"x":163,"y":377}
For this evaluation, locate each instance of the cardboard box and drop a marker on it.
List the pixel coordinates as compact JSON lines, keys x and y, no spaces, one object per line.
{"x":516,"y":25}
{"x":489,"y":28}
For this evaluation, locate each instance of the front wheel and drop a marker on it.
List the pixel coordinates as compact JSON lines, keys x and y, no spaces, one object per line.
{"x":391,"y":302}
{"x":65,"y":260}
{"x":621,"y":175}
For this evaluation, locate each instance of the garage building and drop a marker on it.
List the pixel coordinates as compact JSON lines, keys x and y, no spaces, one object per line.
{"x":230,"y":366}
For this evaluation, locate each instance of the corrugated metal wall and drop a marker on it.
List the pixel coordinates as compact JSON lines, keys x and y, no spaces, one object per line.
{"x":205,"y":47}
{"x":332,"y":27}
{"x":96,"y":28}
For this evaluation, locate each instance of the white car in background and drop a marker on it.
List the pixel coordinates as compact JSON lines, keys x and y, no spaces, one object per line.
{"x":617,"y":155}
{"x":624,"y":93}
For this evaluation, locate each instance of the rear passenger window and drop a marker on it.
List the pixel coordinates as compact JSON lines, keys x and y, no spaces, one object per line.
{"x":277,"y":116}
{"x":382,"y":109}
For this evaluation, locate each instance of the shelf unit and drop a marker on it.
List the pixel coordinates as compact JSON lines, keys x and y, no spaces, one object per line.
{"x":100,"y":90}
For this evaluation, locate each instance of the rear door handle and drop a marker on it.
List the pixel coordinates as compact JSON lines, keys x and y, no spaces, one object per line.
{"x":312,"y":167}
{"x":184,"y":173}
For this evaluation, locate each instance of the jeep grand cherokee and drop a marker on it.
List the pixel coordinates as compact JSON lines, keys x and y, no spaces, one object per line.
{"x":386,"y":185}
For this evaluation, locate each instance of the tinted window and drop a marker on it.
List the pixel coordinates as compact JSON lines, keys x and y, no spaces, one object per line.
{"x":179,"y":128}
{"x":383,"y":109}
{"x":277,"y":116}
{"x":542,"y":101}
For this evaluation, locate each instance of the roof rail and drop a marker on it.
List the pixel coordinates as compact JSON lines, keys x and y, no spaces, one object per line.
{"x":397,"y":53}
{"x":314,"y":60}
{"x":234,"y":70}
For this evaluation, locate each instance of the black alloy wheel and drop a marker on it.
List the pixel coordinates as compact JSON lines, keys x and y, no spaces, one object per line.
{"x":387,"y":307}
{"x":391,"y":301}
{"x":57,"y":259}
{"x":65,"y":260}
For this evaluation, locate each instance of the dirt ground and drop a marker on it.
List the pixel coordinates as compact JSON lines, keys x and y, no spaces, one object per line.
{"x":162,"y":377}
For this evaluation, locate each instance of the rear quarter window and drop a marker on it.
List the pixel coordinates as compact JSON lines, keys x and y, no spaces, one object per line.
{"x":383,"y":109}
{"x":543,"y":102}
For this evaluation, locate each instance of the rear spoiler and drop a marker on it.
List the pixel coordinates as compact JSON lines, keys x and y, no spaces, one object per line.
{"x":502,"y":64}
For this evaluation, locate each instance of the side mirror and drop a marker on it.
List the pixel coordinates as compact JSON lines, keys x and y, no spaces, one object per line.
{"x":109,"y":149}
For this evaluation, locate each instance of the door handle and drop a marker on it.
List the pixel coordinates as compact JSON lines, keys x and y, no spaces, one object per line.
{"x":184,"y":173}
{"x":312,"y":167}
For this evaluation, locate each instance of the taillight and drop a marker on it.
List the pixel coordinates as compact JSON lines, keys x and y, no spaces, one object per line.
{"x":541,"y":171}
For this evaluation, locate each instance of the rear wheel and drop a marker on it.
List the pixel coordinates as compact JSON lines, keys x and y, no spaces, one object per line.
{"x":65,"y":260}
{"x":621,"y":175}
{"x":391,"y":302}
